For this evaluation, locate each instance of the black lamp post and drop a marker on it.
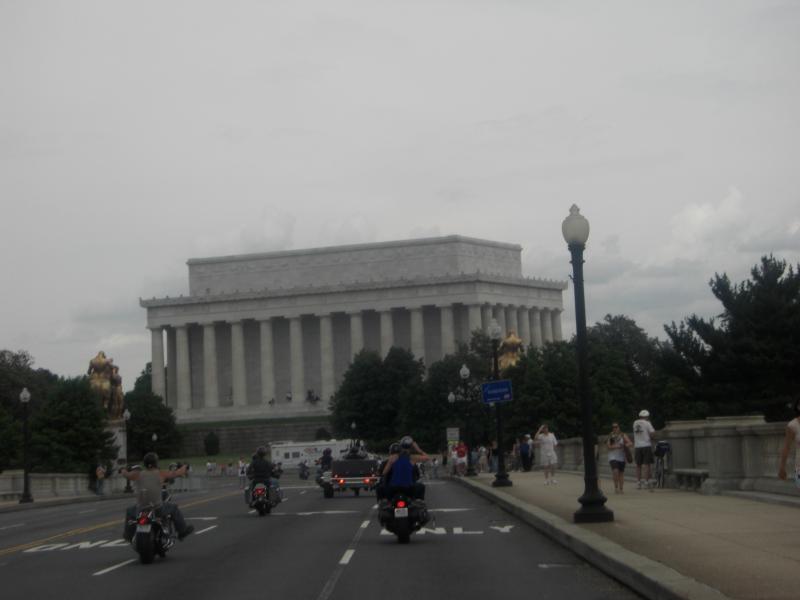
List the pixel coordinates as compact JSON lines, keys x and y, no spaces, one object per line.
{"x":25,"y":398}
{"x":593,"y":510}
{"x":501,"y":477}
{"x":154,"y":437}
{"x":127,"y":416}
{"x":466,"y":394}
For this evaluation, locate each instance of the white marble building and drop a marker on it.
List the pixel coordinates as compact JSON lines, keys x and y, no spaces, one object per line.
{"x":258,"y":331}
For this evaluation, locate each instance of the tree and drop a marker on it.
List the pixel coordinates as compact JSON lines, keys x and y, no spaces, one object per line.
{"x":150,"y":415}
{"x":68,"y":432}
{"x":211,"y":444}
{"x":10,"y":439}
{"x":745,"y":360}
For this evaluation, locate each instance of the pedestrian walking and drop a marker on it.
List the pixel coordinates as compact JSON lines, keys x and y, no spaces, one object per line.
{"x":618,"y":452}
{"x":548,"y":459}
{"x":483,"y":459}
{"x":516,"y":462}
{"x":435,"y":468}
{"x":493,"y":457}
{"x":792,"y":438}
{"x":100,"y":475}
{"x":242,"y":473}
{"x":461,"y":457}
{"x":526,"y":452}
{"x":643,"y":449}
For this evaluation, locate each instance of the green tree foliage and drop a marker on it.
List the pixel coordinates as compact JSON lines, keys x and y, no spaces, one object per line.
{"x":10,"y":439}
{"x":150,"y":415}
{"x":68,"y":432}
{"x":17,"y":372}
{"x":745,"y":360}
{"x":322,"y":434}
{"x":370,"y":395}
{"x":211,"y":444}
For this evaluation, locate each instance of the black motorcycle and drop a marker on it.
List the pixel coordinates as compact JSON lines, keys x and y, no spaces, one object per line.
{"x":155,"y":533}
{"x":402,"y":516}
{"x":264,"y":499}
{"x":304,"y":471}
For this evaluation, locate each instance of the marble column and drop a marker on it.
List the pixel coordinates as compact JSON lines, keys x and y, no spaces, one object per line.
{"x":500,"y":315}
{"x":158,"y":379}
{"x":210,"y":382}
{"x":387,"y":332}
{"x":296,"y":355}
{"x":511,"y":319}
{"x":182,"y":372}
{"x":447,"y":330}
{"x":525,"y":326}
{"x":267,"y":363}
{"x":238,"y":366}
{"x":474,"y":319}
{"x":547,"y":326}
{"x":536,"y":328}
{"x":172,"y":360}
{"x":556,"y":318}
{"x":417,"y":333}
{"x":356,"y":333}
{"x":486,"y":317}
{"x":326,"y":357}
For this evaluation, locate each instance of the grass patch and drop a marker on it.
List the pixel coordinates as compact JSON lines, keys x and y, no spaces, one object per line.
{"x":246,"y":423}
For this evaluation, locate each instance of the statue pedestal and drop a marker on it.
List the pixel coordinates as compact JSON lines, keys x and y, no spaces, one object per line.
{"x":118,"y":429}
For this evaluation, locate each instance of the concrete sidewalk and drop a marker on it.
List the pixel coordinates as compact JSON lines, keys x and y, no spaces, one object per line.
{"x":667,"y":543}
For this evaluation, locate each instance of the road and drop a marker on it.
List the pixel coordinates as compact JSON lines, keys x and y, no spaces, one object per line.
{"x":309,"y":548}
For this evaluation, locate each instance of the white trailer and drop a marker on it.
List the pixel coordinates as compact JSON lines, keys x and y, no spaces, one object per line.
{"x":292,"y":453}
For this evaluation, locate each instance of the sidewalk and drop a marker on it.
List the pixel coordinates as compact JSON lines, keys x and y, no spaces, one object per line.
{"x":666,"y":543}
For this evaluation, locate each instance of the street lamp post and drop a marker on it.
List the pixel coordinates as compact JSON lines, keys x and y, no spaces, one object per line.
{"x":154,"y":437}
{"x":466,"y":395}
{"x":501,"y":477}
{"x":593,"y":510}
{"x":127,"y":416}
{"x":25,"y":398}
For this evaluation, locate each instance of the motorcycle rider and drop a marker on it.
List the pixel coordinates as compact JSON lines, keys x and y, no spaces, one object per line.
{"x":398,"y":472}
{"x":259,"y":471}
{"x":148,"y":489}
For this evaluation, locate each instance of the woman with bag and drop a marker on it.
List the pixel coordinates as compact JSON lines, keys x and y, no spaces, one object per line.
{"x":619,"y":452}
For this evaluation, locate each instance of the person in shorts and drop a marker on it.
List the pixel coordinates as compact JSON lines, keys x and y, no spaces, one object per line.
{"x":617,"y":442}
{"x":792,"y":438}
{"x":643,"y":449}
{"x":548,"y":459}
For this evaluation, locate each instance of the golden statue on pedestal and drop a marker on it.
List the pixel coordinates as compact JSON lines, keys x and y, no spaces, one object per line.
{"x":511,"y":349}
{"x":105,"y":380}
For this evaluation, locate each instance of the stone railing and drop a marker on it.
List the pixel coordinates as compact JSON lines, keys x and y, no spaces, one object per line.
{"x":738,"y":453}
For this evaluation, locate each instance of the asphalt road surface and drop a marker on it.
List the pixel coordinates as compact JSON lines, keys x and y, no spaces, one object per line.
{"x":309,"y":548}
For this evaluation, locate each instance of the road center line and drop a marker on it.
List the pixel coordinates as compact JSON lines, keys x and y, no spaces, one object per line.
{"x":12,"y":526}
{"x":365,"y":524}
{"x":109,"y":569}
{"x":337,"y":573}
{"x":348,"y":554}
{"x":83,"y":512}
{"x":202,"y":531}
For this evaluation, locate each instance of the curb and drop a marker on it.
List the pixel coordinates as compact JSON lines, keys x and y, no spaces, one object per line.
{"x":61,"y":502}
{"x":651,"y":579}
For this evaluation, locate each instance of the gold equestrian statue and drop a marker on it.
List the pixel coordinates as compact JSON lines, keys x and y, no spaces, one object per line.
{"x":511,"y":350}
{"x":105,"y":380}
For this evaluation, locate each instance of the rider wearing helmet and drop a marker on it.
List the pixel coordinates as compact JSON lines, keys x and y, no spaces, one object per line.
{"x":398,"y":471}
{"x":148,"y":489}
{"x":260,"y":470}
{"x":380,"y":489}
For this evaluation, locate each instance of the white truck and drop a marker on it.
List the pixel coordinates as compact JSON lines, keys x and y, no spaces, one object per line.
{"x":291,"y":454}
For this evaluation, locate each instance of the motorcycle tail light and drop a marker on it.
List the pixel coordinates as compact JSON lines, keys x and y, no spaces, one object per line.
{"x":366,"y":480}
{"x":401,"y":504}
{"x":143,"y":520}
{"x":341,"y":482}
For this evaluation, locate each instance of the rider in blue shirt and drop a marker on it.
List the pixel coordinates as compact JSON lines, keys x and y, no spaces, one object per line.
{"x":398,"y":472}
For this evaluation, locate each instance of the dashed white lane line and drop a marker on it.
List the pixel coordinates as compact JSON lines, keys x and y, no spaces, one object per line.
{"x":12,"y":526}
{"x":303,"y":492}
{"x":202,"y":518}
{"x":365,"y":524}
{"x":117,"y":566}
{"x":207,"y":529}
{"x":83,"y":512}
{"x":348,"y":554}
{"x":252,"y":512}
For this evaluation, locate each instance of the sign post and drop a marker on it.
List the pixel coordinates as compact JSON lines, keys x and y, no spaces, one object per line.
{"x":497,"y":391}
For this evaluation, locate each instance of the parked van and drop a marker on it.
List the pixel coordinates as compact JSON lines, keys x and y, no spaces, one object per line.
{"x":292,"y":453}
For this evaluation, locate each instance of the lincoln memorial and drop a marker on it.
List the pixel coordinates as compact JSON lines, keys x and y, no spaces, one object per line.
{"x":271,"y":335}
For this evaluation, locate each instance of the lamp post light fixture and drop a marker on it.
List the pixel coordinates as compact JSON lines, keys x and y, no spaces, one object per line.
{"x":25,"y":398}
{"x":154,"y":437}
{"x":127,"y":416}
{"x":593,"y":510}
{"x":466,"y":394}
{"x":501,"y":477}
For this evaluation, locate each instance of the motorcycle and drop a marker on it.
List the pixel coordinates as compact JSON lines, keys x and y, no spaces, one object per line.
{"x":264,"y":499}
{"x":403,"y":515}
{"x":304,"y":471}
{"x":155,"y":533}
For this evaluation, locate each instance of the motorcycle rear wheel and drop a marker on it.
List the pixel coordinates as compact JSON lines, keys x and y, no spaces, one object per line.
{"x":145,"y":547}
{"x":403,"y":531}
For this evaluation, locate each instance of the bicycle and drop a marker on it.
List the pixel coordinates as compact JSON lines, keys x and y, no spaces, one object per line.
{"x":663,"y":453}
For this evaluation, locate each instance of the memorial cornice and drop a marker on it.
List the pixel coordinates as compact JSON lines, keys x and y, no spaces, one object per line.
{"x":525,"y":282}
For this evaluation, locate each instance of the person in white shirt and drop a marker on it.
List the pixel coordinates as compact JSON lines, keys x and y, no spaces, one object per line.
{"x":643,"y":448}
{"x":792,"y":438}
{"x":548,"y":459}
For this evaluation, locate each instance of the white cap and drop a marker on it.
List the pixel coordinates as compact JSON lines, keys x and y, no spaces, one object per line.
{"x":644,"y":414}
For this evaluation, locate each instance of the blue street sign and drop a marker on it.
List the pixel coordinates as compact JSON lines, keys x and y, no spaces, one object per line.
{"x":497,"y":391}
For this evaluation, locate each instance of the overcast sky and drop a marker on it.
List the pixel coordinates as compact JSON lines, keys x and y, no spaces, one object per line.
{"x":135,"y":135}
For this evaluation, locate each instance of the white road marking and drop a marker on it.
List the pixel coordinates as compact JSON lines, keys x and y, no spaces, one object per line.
{"x":460,"y":531}
{"x":120,"y":543}
{"x":109,"y":569}
{"x":83,"y":512}
{"x":434,"y":531}
{"x":365,"y":524}
{"x":503,"y":529}
{"x":202,"y":531}
{"x":448,"y":510}
{"x":202,"y":518}
{"x":84,"y":545}
{"x":12,"y":526}
{"x":252,"y":512}
{"x":303,"y":492}
{"x":374,"y":506}
{"x":553,"y":565}
{"x":46,"y":547}
{"x":284,"y":499}
{"x":324,"y":512}
{"x":348,"y":554}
